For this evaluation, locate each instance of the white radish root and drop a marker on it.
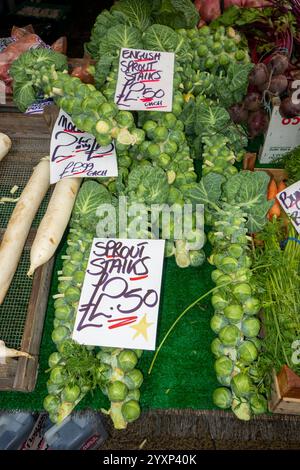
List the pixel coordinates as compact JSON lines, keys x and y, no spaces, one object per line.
{"x":5,"y":145}
{"x":20,"y":222}
{"x":54,"y":222}
{"x":10,"y":352}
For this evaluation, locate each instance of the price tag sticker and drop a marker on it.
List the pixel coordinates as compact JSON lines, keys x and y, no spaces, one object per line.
{"x":74,"y":153}
{"x":145,"y":80}
{"x":289,"y":200}
{"x":283,"y":135}
{"x":120,"y":296}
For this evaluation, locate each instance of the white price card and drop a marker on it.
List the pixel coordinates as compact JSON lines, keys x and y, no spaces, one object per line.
{"x":289,"y":200}
{"x":74,"y":153}
{"x":145,"y":80}
{"x":119,"y":301}
{"x":283,"y":135}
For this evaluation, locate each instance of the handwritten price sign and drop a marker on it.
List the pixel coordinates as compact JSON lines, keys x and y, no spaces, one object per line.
{"x":76,"y":153}
{"x":289,"y":199}
{"x":145,"y":80}
{"x":119,"y":300}
{"x":283,"y":135}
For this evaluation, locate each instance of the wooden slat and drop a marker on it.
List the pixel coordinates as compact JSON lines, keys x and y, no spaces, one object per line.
{"x":21,"y":374}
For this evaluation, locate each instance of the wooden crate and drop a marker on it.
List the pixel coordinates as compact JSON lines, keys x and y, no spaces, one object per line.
{"x":281,"y":404}
{"x":23,"y":310}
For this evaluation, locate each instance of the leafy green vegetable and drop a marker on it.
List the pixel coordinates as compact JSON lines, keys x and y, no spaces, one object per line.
{"x":160,"y":38}
{"x":136,"y":12}
{"x":90,"y":196}
{"x":175,"y":13}
{"x":120,"y":36}
{"x":248,"y":189}
{"x":148,"y":185}
{"x":210,"y":119}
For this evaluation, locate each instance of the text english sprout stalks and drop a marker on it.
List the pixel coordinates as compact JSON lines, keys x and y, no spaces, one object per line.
{"x":137,"y":220}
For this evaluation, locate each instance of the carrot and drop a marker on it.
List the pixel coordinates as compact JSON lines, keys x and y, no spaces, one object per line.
{"x":275,"y":210}
{"x":281,"y":186}
{"x":272,"y":190}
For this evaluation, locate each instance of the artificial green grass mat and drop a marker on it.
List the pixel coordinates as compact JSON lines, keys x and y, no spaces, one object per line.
{"x":183,"y":375}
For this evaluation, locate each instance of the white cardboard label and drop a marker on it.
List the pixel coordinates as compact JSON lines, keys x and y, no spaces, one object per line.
{"x":289,"y":200}
{"x":283,"y":135}
{"x":119,"y":300}
{"x":77,"y":154}
{"x":145,"y":80}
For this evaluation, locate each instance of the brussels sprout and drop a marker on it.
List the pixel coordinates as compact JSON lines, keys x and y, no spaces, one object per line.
{"x":216,"y":347}
{"x":125,"y":119}
{"x":160,"y":134}
{"x":258,"y":404}
{"x":64,"y":312}
{"x":242,"y":291}
{"x":224,"y":279}
{"x":70,"y":393}
{"x":59,"y":334}
{"x":230,"y":335}
{"x":230,"y":352}
{"x":117,"y":391}
{"x":169,"y":248}
{"x":235,"y":250}
{"x":58,"y":375}
{"x":133,"y":379}
{"x":241,"y":385}
{"x":169,"y":120}
{"x":108,"y":109}
{"x":250,"y":327}
{"x":53,"y":389}
{"x":103,"y":127}
{"x":222,"y":397}
{"x":247,"y":352}
{"x":224,"y":380}
{"x":251,"y":306}
{"x":197,"y":257}
{"x":228,"y":264}
{"x":138,"y":136}
{"x":218,"y":301}
{"x":51,"y":403}
{"x":54,"y":359}
{"x":131,"y":410}
{"x":149,"y":127}
{"x":134,"y":394}
{"x":72,"y":294}
{"x":127,"y":360}
{"x":257,"y":342}
{"x":163,"y":160}
{"x":138,"y":352}
{"x":216,"y":274}
{"x":241,"y":409}
{"x":218,"y":322}
{"x":234,"y":313}
{"x":223,"y":366}
{"x":153,"y":150}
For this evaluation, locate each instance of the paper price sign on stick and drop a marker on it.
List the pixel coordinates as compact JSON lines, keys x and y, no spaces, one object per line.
{"x":283,"y":135}
{"x":289,"y":200}
{"x":119,"y":300}
{"x":145,"y":80}
{"x":76,"y":153}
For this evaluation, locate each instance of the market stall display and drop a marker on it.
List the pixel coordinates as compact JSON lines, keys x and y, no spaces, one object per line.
{"x":190,"y":155}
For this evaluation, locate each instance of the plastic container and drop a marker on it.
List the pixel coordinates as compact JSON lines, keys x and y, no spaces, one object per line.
{"x":14,"y":429}
{"x":82,"y":431}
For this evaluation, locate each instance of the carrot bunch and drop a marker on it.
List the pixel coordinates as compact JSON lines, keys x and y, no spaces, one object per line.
{"x":273,"y":190}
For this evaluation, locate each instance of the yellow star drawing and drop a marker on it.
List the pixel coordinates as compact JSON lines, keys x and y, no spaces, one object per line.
{"x":141,"y":328}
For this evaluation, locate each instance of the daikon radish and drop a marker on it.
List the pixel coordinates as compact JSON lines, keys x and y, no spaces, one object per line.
{"x":54,"y":222}
{"x":9,"y":352}
{"x":20,"y":222}
{"x":5,"y":145}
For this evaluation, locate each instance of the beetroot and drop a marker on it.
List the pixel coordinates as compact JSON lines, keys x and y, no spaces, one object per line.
{"x":278,"y":84}
{"x":238,"y":113}
{"x":259,"y":75}
{"x":258,"y":122}
{"x":288,"y":109}
{"x":252,"y":101}
{"x":279,"y":64}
